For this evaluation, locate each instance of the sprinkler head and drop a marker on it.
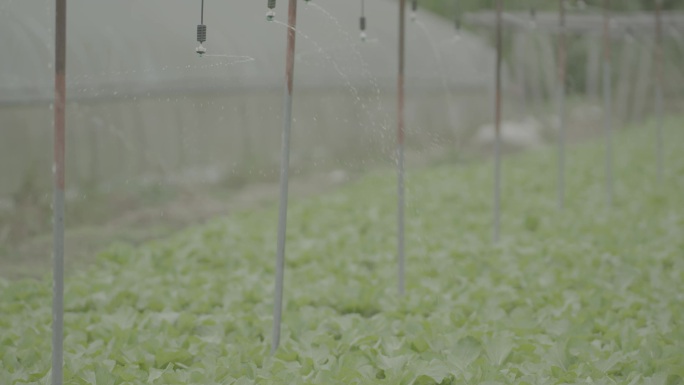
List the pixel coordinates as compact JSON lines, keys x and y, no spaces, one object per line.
{"x":362,"y":25}
{"x":201,"y":50}
{"x":201,"y":38}
{"x":270,"y":15}
{"x":414,"y":16}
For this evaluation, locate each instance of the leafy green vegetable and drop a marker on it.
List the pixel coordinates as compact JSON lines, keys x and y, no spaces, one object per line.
{"x":587,"y":295}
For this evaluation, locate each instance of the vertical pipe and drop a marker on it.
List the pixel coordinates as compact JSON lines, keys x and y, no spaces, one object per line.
{"x":497,"y":122}
{"x":659,"y":88}
{"x":58,"y":204}
{"x":608,"y":101}
{"x":284,"y":177}
{"x":457,"y":15}
{"x":561,"y":105}
{"x":400,"y":147}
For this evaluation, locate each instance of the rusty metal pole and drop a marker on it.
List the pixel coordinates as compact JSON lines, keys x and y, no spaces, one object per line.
{"x":497,"y":122}
{"x":659,"y":88}
{"x":608,"y":101}
{"x":58,"y":204}
{"x":562,"y":54}
{"x":400,"y":147}
{"x":284,"y":175}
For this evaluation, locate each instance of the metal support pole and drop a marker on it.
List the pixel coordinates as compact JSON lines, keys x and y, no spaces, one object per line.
{"x":58,"y":204}
{"x":284,"y":177}
{"x":400,"y":147}
{"x":608,"y":101}
{"x":561,"y":105}
{"x":497,"y":122}
{"x":659,"y":89}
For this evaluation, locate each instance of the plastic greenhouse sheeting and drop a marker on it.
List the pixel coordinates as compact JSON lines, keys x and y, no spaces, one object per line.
{"x":133,"y":46}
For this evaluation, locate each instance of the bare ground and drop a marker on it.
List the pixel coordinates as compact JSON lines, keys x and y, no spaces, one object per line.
{"x":31,"y":258}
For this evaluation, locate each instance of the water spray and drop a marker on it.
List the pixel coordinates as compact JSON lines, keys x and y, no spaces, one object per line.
{"x":270,"y":15}
{"x":201,"y":33}
{"x":414,"y":10}
{"x":362,"y":21}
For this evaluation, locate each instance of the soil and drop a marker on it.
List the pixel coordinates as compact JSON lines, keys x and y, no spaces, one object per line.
{"x":31,"y":258}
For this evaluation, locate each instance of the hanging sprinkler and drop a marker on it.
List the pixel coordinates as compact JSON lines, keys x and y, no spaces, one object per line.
{"x":362,"y":21}
{"x":363,"y":28}
{"x":457,"y":19}
{"x":414,"y":10}
{"x":201,"y":33}
{"x":270,"y":15}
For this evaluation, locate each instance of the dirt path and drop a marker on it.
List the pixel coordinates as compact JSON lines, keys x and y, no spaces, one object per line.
{"x":32,"y":258}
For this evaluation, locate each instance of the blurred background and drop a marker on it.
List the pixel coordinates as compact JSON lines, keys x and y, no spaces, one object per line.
{"x":159,"y":139}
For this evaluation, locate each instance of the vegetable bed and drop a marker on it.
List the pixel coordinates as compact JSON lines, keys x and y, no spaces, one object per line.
{"x":589,"y":294}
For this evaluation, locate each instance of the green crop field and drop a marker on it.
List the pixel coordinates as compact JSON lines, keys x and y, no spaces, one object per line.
{"x":587,"y":295}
